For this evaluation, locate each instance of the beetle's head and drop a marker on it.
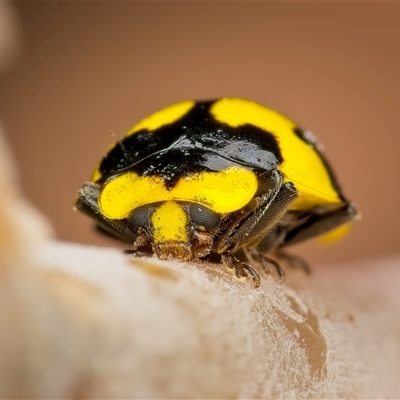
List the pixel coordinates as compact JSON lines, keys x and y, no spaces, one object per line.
{"x":178,"y":221}
{"x":179,"y":230}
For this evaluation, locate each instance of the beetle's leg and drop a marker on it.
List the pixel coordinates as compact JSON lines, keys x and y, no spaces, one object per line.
{"x":318,"y":224}
{"x":263,"y":260}
{"x":255,"y":225}
{"x":269,"y":215}
{"x":141,"y":240}
{"x":254,"y":257}
{"x":241,"y":269}
{"x":294,"y":261}
{"x":313,"y":225}
{"x":87,"y":202}
{"x":241,"y":223}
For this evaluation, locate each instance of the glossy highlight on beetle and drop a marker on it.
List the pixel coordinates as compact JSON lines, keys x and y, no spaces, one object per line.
{"x":227,"y":178}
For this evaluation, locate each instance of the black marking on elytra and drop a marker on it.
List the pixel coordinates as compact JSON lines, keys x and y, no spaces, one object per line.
{"x":196,"y":142}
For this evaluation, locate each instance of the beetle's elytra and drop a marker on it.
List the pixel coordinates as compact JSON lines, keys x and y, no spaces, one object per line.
{"x":227,"y":177}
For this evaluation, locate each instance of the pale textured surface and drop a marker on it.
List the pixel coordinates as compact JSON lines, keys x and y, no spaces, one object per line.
{"x":89,"y":322}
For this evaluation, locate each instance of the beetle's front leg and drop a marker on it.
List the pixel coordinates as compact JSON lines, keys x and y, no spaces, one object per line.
{"x":267,"y":211}
{"x":260,"y":258}
{"x":241,"y":269}
{"x":245,"y":228}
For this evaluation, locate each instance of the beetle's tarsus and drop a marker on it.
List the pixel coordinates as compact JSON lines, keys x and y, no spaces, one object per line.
{"x":295,"y":261}
{"x":280,"y":271}
{"x":253,"y":273}
{"x":241,"y":269}
{"x":264,"y":261}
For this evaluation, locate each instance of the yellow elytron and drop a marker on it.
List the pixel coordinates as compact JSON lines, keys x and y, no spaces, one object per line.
{"x":216,"y":178}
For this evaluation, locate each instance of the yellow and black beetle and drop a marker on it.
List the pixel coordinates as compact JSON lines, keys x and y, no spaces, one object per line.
{"x":227,"y":177}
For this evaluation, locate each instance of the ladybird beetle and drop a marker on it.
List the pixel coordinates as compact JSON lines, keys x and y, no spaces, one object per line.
{"x":227,"y":178}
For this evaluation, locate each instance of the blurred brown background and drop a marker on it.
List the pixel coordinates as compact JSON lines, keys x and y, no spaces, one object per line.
{"x":87,"y":72}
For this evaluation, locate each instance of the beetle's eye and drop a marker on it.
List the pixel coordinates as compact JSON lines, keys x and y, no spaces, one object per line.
{"x":139,"y":218}
{"x":203,"y":217}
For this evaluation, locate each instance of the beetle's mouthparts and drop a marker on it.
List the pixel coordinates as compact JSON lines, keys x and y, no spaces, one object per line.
{"x":173,"y":250}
